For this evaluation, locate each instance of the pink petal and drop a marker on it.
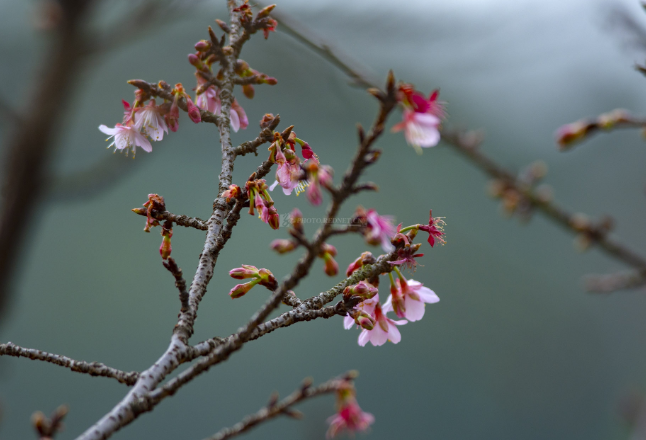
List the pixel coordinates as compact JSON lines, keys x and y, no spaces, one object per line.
{"x":235,"y":121}
{"x":108,"y":130}
{"x":414,"y":309}
{"x":364,"y":337}
{"x":393,"y":334}
{"x":348,"y":322}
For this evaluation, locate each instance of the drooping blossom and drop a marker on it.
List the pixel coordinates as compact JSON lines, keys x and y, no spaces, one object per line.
{"x":421,"y":117}
{"x":150,"y":121}
{"x":318,"y":176}
{"x":288,"y":173}
{"x":349,"y":417}
{"x":380,"y":230}
{"x":408,"y":297}
{"x":385,"y":328}
{"x":238,"y":117}
{"x":127,"y":137}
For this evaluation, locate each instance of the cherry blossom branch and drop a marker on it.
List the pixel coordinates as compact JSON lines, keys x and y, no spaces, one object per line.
{"x":180,"y":283}
{"x":464,"y":143}
{"x":163,"y":90}
{"x":309,"y":309}
{"x":284,"y":407}
{"x":222,"y":352}
{"x":91,"y":368}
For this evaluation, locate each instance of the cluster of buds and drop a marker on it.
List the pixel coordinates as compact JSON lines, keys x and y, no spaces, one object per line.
{"x":260,"y":199}
{"x":421,"y":117}
{"x":514,"y":202}
{"x":349,"y":417}
{"x":570,"y":134}
{"x":258,"y":276}
{"x":153,"y":207}
{"x":252,"y":76}
{"x":48,"y":427}
{"x":318,"y":176}
{"x":262,"y":21}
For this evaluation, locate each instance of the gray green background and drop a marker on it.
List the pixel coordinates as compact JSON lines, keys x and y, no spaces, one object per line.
{"x":515,"y":349}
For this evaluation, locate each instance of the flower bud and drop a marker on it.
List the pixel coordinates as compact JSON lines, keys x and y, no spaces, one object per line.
{"x":296,"y":219}
{"x":329,"y":249}
{"x":267,"y":279}
{"x":248,"y":91}
{"x":274,"y":218}
{"x":365,"y":258}
{"x":242,"y":289}
{"x":266,"y":120}
{"x":172,"y":117}
{"x":202,"y":46}
{"x":264,"y":12}
{"x":243,"y":272}
{"x":307,"y":151}
{"x":364,"y":320}
{"x":331,"y":267}
{"x":165,"y":248}
{"x":193,"y":111}
{"x":283,"y":246}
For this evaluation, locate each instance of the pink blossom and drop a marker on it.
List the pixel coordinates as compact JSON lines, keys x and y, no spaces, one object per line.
{"x":420,"y":129}
{"x":127,"y":137}
{"x":385,"y":328}
{"x":288,"y":173}
{"x":380,"y":230}
{"x":349,"y":418}
{"x":210,"y":100}
{"x":149,"y":120}
{"x":407,"y":299}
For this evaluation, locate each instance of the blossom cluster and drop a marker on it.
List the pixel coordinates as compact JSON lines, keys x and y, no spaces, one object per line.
{"x":297,"y":169}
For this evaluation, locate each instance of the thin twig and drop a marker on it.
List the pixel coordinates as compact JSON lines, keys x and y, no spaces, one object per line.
{"x":180,"y":283}
{"x":180,"y":220}
{"x":91,"y":368}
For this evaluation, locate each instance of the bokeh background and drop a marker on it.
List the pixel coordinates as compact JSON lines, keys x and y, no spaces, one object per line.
{"x":515,"y":349}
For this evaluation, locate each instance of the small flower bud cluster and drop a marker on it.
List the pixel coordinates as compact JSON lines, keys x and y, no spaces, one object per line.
{"x":261,"y":22}
{"x":258,"y":276}
{"x":260,"y":199}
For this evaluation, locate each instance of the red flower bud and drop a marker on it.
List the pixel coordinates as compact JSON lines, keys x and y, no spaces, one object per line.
{"x":193,"y":111}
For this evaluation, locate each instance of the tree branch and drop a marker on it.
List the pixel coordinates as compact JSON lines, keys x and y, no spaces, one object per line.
{"x":91,"y":368}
